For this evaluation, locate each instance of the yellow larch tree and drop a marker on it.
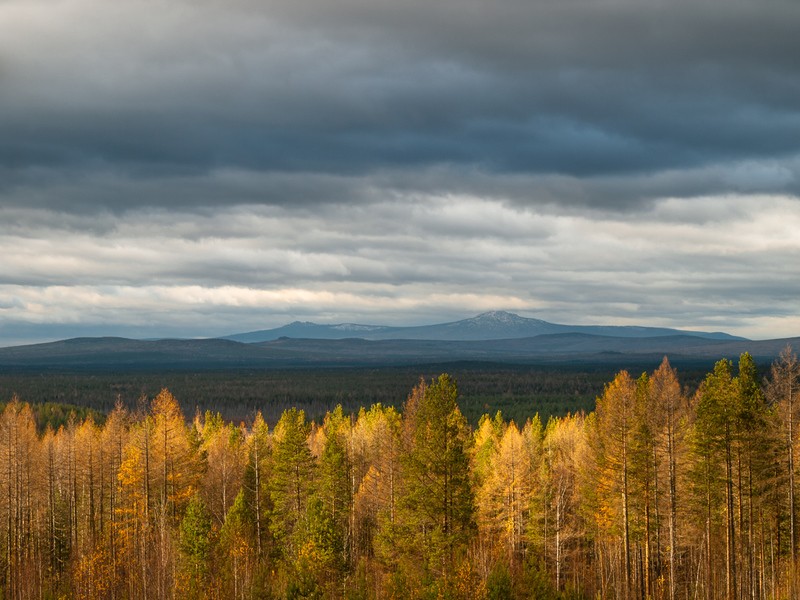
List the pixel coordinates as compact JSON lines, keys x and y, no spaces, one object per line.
{"x":223,"y":446}
{"x":504,"y":498}
{"x":19,"y":451}
{"x":611,"y":437}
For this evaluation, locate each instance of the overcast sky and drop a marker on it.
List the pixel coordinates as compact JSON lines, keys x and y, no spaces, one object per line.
{"x":204,"y":167}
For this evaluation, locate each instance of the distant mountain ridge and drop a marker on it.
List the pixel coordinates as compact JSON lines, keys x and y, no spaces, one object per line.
{"x":498,"y":337}
{"x":120,"y":354}
{"x":494,"y":325}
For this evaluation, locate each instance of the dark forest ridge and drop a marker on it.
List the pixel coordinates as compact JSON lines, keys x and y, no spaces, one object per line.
{"x":494,"y":325}
{"x":549,"y":349}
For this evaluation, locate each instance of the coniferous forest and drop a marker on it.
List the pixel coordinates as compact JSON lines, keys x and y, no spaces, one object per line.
{"x":659,"y":493}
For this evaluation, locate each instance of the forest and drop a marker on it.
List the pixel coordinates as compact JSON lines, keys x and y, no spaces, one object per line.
{"x":519,"y":391}
{"x":658,"y":493}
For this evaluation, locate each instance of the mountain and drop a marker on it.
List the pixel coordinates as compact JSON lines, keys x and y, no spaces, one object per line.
{"x":495,"y":325}
{"x":121,"y":354}
{"x":312,"y":331}
{"x":490,"y":337}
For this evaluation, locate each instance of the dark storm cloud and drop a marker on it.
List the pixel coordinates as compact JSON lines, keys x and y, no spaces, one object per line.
{"x":347,"y":101}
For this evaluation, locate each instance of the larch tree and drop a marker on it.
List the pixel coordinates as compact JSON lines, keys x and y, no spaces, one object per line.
{"x":504,"y":498}
{"x":222,"y":445}
{"x":92,"y":569}
{"x":19,"y":447}
{"x":88,"y":472}
{"x":177,"y":468}
{"x":668,"y":401}
{"x":558,"y":521}
{"x":487,"y":438}
{"x":257,"y":474}
{"x":613,"y":441}
{"x":644,"y":462}
{"x":483,"y":456}
{"x":783,"y":392}
{"x":377,"y":440}
{"x":133,"y":506}
{"x":174,"y":454}
{"x":113,"y":439}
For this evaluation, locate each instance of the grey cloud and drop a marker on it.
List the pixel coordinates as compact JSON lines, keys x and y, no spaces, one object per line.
{"x":461,"y":242}
{"x":117,"y":191}
{"x":319,"y":96}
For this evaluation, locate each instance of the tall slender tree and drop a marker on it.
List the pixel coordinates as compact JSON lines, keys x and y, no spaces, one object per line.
{"x":783,"y":391}
{"x":257,"y":474}
{"x":668,"y":401}
{"x":613,"y":442}
{"x":715,"y":430}
{"x":437,"y":500}
{"x":504,"y":499}
{"x":292,"y":476}
{"x":334,"y":486}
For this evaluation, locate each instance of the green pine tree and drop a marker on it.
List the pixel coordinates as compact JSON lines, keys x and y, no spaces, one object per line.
{"x":437,"y":502}
{"x":292,"y":477}
{"x":196,"y":545}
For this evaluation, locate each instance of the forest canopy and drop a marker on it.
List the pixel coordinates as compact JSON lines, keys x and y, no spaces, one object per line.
{"x":656,"y":494}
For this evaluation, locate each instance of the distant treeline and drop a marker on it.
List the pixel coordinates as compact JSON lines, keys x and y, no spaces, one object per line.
{"x":656,"y":494}
{"x":520,"y":392}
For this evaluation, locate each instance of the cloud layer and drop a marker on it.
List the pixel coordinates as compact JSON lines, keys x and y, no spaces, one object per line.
{"x":197,"y":168}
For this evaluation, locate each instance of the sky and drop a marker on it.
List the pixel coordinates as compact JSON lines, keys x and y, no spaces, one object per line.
{"x":204,"y":167}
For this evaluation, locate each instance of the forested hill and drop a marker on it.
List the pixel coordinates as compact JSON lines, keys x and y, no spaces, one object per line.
{"x":570,"y":348}
{"x":654,"y":495}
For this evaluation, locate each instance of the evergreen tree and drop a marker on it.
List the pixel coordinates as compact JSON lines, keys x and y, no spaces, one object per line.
{"x":715,"y":427}
{"x":756,"y":449}
{"x":292,"y":477}
{"x":329,"y":524}
{"x":196,"y":548}
{"x":437,"y":499}
{"x":237,"y":550}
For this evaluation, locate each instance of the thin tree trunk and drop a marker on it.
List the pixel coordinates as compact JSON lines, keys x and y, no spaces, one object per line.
{"x":709,"y":563}
{"x":9,"y":530}
{"x":792,"y":509}
{"x":657,"y":565}
{"x":257,"y":495}
{"x":730,"y":554}
{"x":558,"y":541}
{"x":646,"y":573}
{"x":672,"y":503}
{"x":625,"y":520}
{"x":750,"y":539}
